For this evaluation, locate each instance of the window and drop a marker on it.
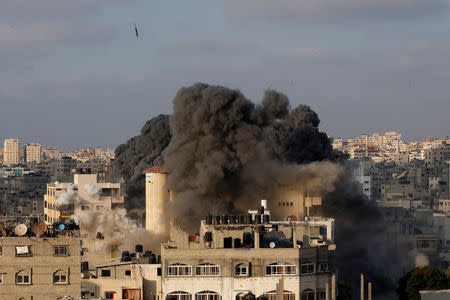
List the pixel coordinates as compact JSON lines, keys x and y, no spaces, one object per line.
{"x":322,"y":267}
{"x":109,"y":295}
{"x":99,"y":207}
{"x":1,"y":250}
{"x":280,"y":268}
{"x":106,"y":273}
{"x":207,"y":295}
{"x":207,"y":270}
{"x":60,"y":250}
{"x":23,"y":251}
{"x":179,"y":270}
{"x":60,"y":278}
{"x":84,"y":207}
{"x":307,"y":269}
{"x":127,"y":272}
{"x":291,"y":203}
{"x":287,"y":295}
{"x":307,"y":294}
{"x":178,"y":295}
{"x":1,"y":278}
{"x":23,"y":278}
{"x":241,"y":270}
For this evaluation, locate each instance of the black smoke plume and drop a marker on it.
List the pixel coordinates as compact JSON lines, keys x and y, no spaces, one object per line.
{"x":220,"y":156}
{"x":223,"y":152}
{"x":138,"y":154}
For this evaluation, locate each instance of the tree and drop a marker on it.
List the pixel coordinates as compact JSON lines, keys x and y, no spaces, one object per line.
{"x":419,"y":279}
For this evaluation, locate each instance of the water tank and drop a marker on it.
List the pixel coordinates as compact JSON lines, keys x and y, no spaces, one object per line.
{"x":139,"y":248}
{"x":247,"y":240}
{"x":260,"y":210}
{"x":264,"y":203}
{"x":249,"y":219}
{"x":258,"y":219}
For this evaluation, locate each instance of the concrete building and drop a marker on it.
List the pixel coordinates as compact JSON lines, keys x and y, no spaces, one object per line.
{"x":438,"y":154}
{"x":91,"y":197}
{"x":435,"y":295}
{"x":43,"y":267}
{"x":11,"y":151}
{"x":124,"y":280}
{"x":33,"y":153}
{"x":51,"y":153}
{"x":156,"y":198}
{"x":364,"y":181}
{"x":249,"y":256}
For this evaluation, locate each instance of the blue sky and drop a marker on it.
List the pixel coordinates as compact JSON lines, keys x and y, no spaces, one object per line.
{"x":73,"y":74}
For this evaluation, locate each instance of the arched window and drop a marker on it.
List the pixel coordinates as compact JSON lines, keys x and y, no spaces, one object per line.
{"x":179,"y":270}
{"x":178,"y":295}
{"x":207,"y":270}
{"x":60,"y":277}
{"x":23,"y":278}
{"x":241,"y":270}
{"x":207,"y":295}
{"x":287,"y":295}
{"x":280,"y":268}
{"x":307,"y":294}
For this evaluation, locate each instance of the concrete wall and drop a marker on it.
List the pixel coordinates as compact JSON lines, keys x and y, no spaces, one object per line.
{"x":41,"y":265}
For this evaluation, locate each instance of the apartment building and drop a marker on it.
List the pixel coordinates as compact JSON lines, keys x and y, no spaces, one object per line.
{"x":11,"y":151}
{"x":250,"y":256}
{"x":119,"y":279}
{"x":43,"y":267}
{"x":88,"y":196}
{"x":33,"y":153}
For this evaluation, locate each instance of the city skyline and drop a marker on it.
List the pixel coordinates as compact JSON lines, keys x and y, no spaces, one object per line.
{"x":384,"y":65}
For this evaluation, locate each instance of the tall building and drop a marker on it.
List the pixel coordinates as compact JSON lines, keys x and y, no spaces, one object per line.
{"x":11,"y":151}
{"x":156,"y":198}
{"x":33,"y":153}
{"x":51,"y":153}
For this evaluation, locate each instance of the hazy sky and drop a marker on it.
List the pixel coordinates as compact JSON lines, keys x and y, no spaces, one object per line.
{"x":73,"y":74}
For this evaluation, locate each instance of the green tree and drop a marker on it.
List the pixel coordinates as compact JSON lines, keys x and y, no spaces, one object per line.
{"x":419,"y":279}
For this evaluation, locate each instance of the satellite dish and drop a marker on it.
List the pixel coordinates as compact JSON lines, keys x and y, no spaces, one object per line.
{"x":2,"y":231}
{"x":20,"y":229}
{"x":62,"y":226}
{"x":42,"y":227}
{"x":272,"y":245}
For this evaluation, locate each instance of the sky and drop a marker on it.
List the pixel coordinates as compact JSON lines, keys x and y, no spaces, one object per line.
{"x":73,"y":74}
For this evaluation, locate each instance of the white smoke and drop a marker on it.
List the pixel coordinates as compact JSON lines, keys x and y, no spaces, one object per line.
{"x":114,"y":227}
{"x":92,"y":190}
{"x":68,"y":197}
